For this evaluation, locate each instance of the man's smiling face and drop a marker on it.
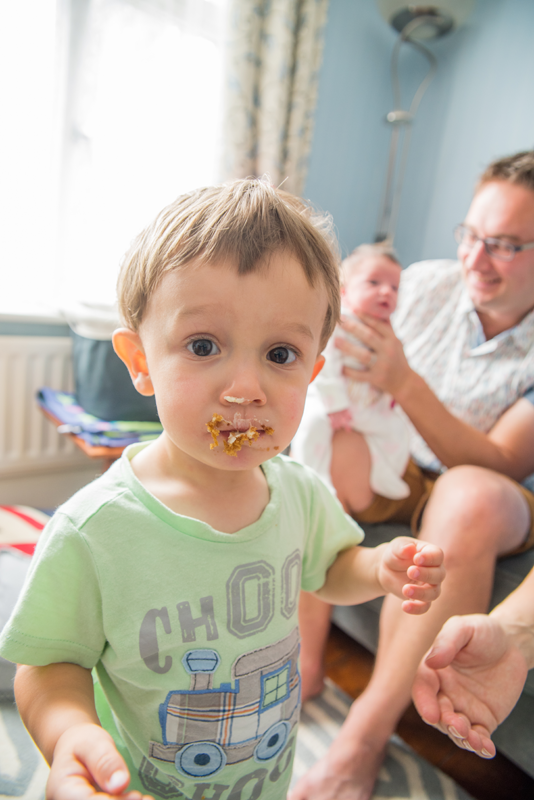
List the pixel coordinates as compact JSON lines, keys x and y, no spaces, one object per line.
{"x":500,"y":210}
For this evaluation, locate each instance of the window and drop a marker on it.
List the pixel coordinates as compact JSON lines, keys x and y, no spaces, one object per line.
{"x":275,"y":687}
{"x":114,"y":112}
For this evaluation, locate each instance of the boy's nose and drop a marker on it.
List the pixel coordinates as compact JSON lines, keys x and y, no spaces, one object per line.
{"x":244,"y":390}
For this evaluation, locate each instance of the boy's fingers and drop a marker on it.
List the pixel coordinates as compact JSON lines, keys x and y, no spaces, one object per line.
{"x":414,"y":607}
{"x":77,"y":788}
{"x":431,"y":575}
{"x":426,"y":593}
{"x":428,"y":555}
{"x":87,"y":765}
{"x":404,"y":548}
{"x":104,"y":764}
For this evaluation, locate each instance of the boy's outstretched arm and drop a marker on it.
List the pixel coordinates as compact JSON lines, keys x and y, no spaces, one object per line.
{"x":57,"y":706}
{"x":406,"y":567}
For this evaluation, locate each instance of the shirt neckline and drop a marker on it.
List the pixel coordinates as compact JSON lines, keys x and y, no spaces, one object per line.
{"x":195,"y":527}
{"x":522,"y":333}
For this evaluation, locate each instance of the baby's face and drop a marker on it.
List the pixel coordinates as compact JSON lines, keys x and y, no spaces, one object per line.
{"x":372,"y":289}
{"x":219,"y":343}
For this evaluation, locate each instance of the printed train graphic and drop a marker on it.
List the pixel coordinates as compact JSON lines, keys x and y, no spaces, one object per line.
{"x":205,"y":728}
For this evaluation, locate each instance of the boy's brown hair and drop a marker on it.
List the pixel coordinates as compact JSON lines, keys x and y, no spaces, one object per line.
{"x":244,"y":222}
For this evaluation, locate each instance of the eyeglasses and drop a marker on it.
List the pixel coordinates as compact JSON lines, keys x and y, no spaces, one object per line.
{"x":497,"y":248}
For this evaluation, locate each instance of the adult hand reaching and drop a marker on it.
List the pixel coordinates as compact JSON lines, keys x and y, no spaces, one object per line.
{"x":470,"y":681}
{"x":383,"y":356}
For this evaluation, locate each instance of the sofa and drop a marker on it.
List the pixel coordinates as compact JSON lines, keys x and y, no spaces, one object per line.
{"x":515,"y":736}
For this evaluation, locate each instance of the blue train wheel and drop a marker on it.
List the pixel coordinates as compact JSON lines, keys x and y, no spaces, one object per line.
{"x":200,"y":759}
{"x":272,"y":741}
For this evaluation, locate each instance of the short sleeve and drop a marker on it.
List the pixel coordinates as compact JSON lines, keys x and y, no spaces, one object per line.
{"x":331,"y":531}
{"x":58,"y":616}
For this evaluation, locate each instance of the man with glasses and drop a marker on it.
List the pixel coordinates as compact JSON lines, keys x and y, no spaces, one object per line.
{"x":461,"y":365}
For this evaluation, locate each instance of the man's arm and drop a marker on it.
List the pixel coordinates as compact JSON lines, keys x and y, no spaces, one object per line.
{"x":508,"y":448}
{"x":57,"y":706}
{"x":408,"y":568}
{"x":474,"y":673}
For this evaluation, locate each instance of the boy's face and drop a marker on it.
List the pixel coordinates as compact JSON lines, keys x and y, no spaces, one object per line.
{"x":372,"y":289}
{"x":209,"y":334}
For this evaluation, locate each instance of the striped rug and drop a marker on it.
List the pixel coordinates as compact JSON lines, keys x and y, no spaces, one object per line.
{"x":404,"y":774}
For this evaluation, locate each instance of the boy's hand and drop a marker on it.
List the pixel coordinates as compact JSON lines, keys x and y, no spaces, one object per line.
{"x":341,"y":420}
{"x":87,"y":766}
{"x":412,"y":570}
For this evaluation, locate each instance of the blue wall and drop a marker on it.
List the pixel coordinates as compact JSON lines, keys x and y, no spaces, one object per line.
{"x":480,"y":106}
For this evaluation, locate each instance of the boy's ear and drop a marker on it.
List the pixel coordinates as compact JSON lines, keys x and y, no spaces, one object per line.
{"x":129,"y":348}
{"x":319,"y":364}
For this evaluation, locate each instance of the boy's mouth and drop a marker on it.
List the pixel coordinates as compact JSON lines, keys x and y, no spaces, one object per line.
{"x":236,"y":433}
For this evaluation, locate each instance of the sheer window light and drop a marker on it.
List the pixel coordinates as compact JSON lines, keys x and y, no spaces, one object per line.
{"x":141,"y":93}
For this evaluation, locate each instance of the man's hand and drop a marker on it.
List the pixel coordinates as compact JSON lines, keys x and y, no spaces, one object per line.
{"x":341,"y":420}
{"x":470,"y":681}
{"x":386,"y":366}
{"x":87,"y":766}
{"x":412,"y":570}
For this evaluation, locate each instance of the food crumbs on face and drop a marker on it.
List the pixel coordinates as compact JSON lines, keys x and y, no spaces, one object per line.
{"x":236,"y":440}
{"x":213,"y":428}
{"x":276,"y":448}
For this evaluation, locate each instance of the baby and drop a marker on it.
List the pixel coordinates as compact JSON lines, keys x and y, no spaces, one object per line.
{"x":371,"y":277}
{"x":175,"y":576}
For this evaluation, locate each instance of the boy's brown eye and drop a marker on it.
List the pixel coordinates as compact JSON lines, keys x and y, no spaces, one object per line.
{"x":203,"y":347}
{"x":281,"y":355}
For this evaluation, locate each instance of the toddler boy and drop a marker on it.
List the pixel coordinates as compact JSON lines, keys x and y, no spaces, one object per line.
{"x":371,"y":276}
{"x":176,"y":574}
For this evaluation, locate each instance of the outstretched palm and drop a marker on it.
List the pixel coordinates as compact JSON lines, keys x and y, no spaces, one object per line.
{"x":470,"y":682}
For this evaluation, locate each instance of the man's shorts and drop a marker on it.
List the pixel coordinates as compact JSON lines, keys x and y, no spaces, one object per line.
{"x":410,"y":510}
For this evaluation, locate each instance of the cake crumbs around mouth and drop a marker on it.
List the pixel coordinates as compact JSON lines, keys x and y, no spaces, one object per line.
{"x":213,"y":428}
{"x":236,"y":439}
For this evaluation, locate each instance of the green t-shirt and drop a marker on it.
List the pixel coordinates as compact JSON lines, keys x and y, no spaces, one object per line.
{"x":192,"y":632}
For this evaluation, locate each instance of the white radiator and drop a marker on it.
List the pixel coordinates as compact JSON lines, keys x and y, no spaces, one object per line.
{"x":28,"y":441}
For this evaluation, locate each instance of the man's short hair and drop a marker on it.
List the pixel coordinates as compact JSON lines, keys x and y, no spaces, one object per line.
{"x":243,"y":222}
{"x":518,"y":169}
{"x":353,"y":261}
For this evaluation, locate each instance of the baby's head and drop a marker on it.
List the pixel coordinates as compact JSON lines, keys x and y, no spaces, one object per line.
{"x":244,"y":223}
{"x":371,"y":276}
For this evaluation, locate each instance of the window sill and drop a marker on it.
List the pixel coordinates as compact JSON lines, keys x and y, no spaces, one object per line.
{"x":32,"y":319}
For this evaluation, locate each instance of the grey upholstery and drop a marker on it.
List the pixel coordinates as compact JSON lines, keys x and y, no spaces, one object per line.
{"x":515,"y":737}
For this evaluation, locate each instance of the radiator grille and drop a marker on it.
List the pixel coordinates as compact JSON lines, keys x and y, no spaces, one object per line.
{"x":28,"y":441}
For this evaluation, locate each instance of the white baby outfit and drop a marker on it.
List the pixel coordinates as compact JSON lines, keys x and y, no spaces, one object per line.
{"x":382,"y":422}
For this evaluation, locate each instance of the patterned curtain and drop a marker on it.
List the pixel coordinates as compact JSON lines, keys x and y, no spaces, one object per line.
{"x":274,"y":54}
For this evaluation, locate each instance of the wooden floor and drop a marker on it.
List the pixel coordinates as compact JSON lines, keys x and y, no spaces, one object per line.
{"x":349,"y":665}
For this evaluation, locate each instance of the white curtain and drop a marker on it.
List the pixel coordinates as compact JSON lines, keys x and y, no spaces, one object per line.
{"x":274,"y":55}
{"x":143,"y":125}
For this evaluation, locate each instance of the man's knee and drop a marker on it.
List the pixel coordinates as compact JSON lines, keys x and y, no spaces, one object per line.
{"x":477,"y":509}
